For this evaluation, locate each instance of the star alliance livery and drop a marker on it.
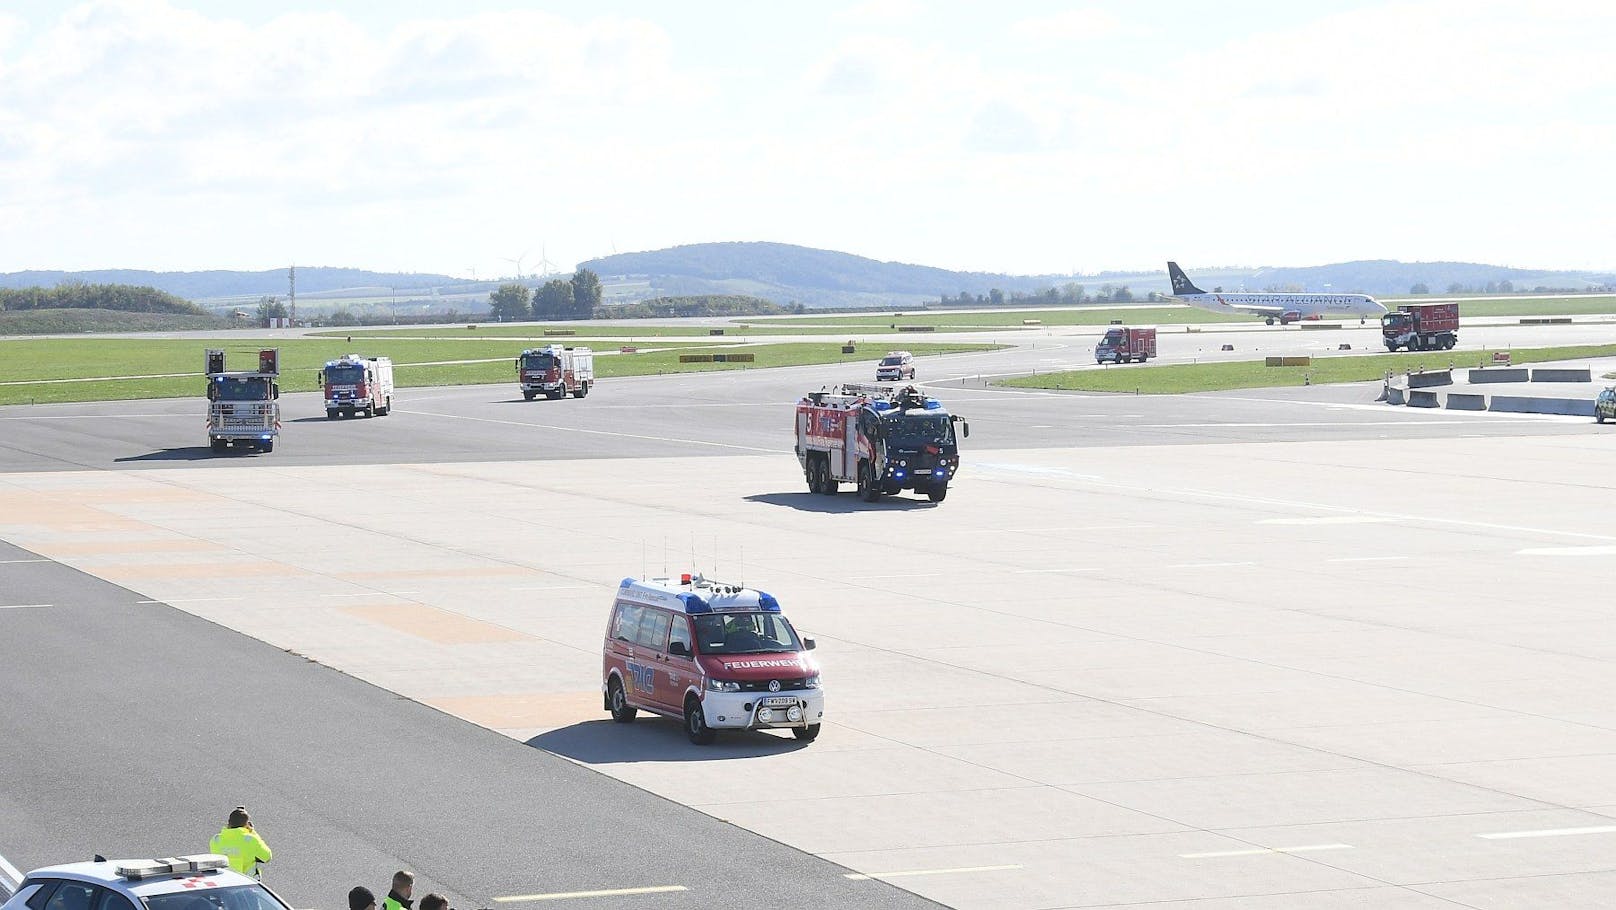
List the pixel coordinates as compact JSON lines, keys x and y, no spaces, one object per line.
{"x":1281,"y":308}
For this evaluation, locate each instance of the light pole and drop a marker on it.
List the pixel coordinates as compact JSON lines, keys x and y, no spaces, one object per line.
{"x":395,"y":304}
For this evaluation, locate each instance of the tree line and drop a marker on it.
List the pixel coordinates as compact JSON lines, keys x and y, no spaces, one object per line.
{"x":79,"y":295}
{"x":1068,"y":294}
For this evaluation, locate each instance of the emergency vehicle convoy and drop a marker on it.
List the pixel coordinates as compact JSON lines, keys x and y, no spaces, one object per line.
{"x":1421,"y":327}
{"x":242,"y":410}
{"x":200,"y":882}
{"x":555,"y":370}
{"x":1121,"y":345}
{"x":714,"y":656}
{"x":880,"y":439}
{"x":355,"y":384}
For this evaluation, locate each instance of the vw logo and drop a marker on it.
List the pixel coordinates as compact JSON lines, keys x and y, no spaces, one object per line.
{"x":774,"y":685}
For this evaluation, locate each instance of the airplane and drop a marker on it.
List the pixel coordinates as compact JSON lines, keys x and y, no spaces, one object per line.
{"x":1283,"y":308}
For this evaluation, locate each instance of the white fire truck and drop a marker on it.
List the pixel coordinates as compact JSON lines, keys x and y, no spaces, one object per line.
{"x":355,"y":384}
{"x":555,"y":370}
{"x":879,"y":438}
{"x":242,"y":410}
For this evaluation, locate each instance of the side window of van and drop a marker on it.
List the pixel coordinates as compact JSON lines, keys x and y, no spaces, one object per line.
{"x":680,"y":635}
{"x":653,"y":629}
{"x":628,"y":622}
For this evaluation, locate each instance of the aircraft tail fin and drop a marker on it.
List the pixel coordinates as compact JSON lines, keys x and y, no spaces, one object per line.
{"x":1181,"y":281}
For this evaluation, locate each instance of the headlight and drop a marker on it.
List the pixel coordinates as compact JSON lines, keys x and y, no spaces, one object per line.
{"x":722,"y":685}
{"x":812,"y":682}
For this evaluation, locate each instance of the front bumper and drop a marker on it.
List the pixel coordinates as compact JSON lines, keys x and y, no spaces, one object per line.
{"x":748,"y":711}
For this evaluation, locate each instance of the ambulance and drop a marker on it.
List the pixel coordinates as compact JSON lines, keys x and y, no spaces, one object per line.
{"x":713,"y":656}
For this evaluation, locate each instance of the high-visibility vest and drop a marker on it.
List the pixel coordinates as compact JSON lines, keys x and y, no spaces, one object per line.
{"x":243,"y":847}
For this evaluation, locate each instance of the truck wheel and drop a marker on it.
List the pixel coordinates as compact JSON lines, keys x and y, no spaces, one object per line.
{"x":811,"y":472}
{"x":1269,"y":320}
{"x":385,"y":409}
{"x":218,"y":446}
{"x":347,"y":412}
{"x":267,"y":446}
{"x":527,"y":396}
{"x":622,"y":711}
{"x":696,"y":723}
{"x":370,"y":411}
{"x":828,"y":485}
{"x":807,"y":734}
{"x":937,"y":492}
{"x":330,"y":413}
{"x":583,"y":389}
{"x":867,"y":489}
{"x":557,"y":395}
{"x":1416,"y":343}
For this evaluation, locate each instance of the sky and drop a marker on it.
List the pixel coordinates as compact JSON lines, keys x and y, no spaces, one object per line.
{"x":1017,"y":136}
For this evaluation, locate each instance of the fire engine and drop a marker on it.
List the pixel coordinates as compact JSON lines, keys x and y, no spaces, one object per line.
{"x":879,"y":438}
{"x":555,"y":371}
{"x":355,"y":384}
{"x":242,"y":410}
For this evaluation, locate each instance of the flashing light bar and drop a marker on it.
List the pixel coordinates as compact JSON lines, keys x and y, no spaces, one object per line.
{"x":136,"y":870}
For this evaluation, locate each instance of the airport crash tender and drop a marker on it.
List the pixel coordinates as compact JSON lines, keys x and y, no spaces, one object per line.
{"x":242,"y":410}
{"x":881,"y":439}
{"x":715,"y":656}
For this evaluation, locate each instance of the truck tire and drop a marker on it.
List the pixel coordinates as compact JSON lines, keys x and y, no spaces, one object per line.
{"x":1598,"y":417}
{"x":218,"y":445}
{"x":807,"y":734}
{"x":583,"y":389}
{"x":696,"y":723}
{"x":370,"y":411}
{"x":385,"y":409}
{"x":267,"y":446}
{"x":617,"y":702}
{"x":867,"y":489}
{"x":527,"y":396}
{"x":556,"y":395}
{"x":330,"y":413}
{"x":811,"y":473}
{"x":828,"y":484}
{"x":937,"y":492}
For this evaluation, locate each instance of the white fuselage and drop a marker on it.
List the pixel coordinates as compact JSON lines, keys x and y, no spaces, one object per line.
{"x":1277,"y":306}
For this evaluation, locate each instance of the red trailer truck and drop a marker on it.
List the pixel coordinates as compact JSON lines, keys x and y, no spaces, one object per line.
{"x":1421,"y":327}
{"x":1121,"y":345}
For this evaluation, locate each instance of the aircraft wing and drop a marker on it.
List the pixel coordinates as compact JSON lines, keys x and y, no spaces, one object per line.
{"x":1256,"y":309}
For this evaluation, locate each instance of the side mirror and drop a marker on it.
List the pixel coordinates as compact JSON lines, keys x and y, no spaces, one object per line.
{"x":678,"y":649}
{"x":965,"y":427}
{"x":275,"y":390}
{"x":808,"y":644}
{"x":319,"y":379}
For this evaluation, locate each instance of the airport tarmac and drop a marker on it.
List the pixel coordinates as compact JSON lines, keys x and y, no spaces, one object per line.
{"x":1277,"y":649}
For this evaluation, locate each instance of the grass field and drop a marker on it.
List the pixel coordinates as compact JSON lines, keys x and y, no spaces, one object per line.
{"x":1558,"y":306}
{"x":1252,"y":374}
{"x":533,"y":332}
{"x":1132,"y":315}
{"x":23,"y":363}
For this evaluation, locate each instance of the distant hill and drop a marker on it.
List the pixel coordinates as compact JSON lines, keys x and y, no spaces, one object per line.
{"x":228,"y":284}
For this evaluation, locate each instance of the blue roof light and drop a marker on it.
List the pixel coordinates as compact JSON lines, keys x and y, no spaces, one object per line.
{"x":767,"y":603}
{"x":625,"y":582}
{"x":694,"y":604}
{"x":933,"y":404}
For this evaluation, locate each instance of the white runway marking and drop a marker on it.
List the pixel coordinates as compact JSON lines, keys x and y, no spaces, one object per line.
{"x":610,"y":892}
{"x":1207,"y":565}
{"x":1327,"y":520}
{"x":542,"y":426}
{"x":1337,"y":423}
{"x":9,"y":876}
{"x":1366,"y":558}
{"x":1038,"y":571}
{"x":860,"y":877}
{"x":9,"y":562}
{"x":1263,"y":851}
{"x":1568,"y":551}
{"x":1073,"y":528}
{"x":1549,"y":832}
{"x":911,"y":575}
{"x":96,"y":416}
{"x":24,"y":606}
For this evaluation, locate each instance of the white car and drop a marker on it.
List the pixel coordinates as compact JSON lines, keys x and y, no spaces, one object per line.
{"x":201,"y":882}
{"x":897,"y":365}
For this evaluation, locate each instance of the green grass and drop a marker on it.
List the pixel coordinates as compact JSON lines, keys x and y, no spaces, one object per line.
{"x":28,"y":361}
{"x":1252,"y":374}
{"x":1559,"y":306}
{"x":740,"y":328}
{"x":69,"y":320}
{"x":1131,"y":315}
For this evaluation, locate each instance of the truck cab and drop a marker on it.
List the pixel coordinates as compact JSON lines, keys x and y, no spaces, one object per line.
{"x":242,"y":409}
{"x":357,"y":385}
{"x":554,"y":370}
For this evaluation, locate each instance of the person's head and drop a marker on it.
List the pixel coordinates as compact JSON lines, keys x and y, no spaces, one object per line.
{"x":239,"y":818}
{"x":360,"y":898}
{"x":434,"y":901}
{"x":403,"y":882}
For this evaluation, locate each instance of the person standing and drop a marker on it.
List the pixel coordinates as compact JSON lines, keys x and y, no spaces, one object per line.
{"x":360,"y":898}
{"x":241,"y":844}
{"x":399,"y":897}
{"x":434,"y":901}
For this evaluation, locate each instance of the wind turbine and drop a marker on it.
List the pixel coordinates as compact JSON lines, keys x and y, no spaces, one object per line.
{"x":518,"y":263}
{"x":544,"y":260}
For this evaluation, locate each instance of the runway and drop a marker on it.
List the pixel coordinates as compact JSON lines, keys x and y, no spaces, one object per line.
{"x":1265,"y":649}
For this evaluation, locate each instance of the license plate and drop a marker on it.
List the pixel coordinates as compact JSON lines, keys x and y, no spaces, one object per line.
{"x":779,"y":701}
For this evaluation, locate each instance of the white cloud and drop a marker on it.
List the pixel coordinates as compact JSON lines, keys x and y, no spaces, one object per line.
{"x":1071,"y":26}
{"x":880,"y":12}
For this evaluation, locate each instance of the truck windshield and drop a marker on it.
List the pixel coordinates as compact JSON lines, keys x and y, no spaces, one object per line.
{"x":242,"y":389}
{"x":1112,"y":337}
{"x":1394,"y":320}
{"x":911,"y":430}
{"x":347,"y":374}
{"x":745,"y":633}
{"x":538,"y":362}
{"x":238,"y":897}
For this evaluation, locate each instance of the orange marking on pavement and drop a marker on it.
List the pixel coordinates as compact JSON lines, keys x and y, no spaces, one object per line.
{"x":433,"y":624}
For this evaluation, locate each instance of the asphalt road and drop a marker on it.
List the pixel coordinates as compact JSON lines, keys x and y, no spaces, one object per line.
{"x":131,"y":729}
{"x":721,"y":413}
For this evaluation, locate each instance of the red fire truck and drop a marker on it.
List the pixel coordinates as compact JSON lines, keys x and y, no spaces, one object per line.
{"x":880,"y":439}
{"x":1421,"y":327}
{"x":555,"y":371}
{"x":1121,"y":345}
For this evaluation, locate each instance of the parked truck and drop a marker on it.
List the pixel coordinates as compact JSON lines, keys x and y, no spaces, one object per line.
{"x":1421,"y":327}
{"x":878,"y":438}
{"x":242,"y":410}
{"x":555,"y":370}
{"x":1122,"y":345}
{"x":357,"y":385}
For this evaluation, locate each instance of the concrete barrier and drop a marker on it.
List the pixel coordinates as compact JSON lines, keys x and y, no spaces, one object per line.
{"x":1032,"y":322}
{"x":1227,"y":347}
{"x":715,"y":331}
{"x":1318,"y":326}
{"x":1552,"y":375}
{"x":551,"y":332}
{"x":1546,"y":320}
{"x":733,"y":358}
{"x":1396,"y":395}
{"x":1426,"y":380}
{"x":1480,"y":376}
{"x":695,"y":358}
{"x":917,"y":328}
{"x":1522,"y":404}
{"x":1462,"y":401}
{"x":1288,"y":361}
{"x":1418,"y":398}
{"x":1343,"y":346}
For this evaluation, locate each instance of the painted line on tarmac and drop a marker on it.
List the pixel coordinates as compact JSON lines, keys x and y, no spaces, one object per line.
{"x":1042,"y":571}
{"x":1327,"y":520}
{"x":1264,"y":851}
{"x":862,"y":876}
{"x":611,"y":892}
{"x":96,"y":416}
{"x":542,"y":426}
{"x":1207,"y":565}
{"x":1305,"y":424}
{"x":1568,"y":551}
{"x":12,"y":562}
{"x":10,"y":878}
{"x":1366,"y":558}
{"x":1549,"y":832}
{"x":24,"y":606}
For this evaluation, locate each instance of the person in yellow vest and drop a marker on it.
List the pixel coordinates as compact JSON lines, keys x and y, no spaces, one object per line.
{"x":241,"y":844}
{"x":399,"y":897}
